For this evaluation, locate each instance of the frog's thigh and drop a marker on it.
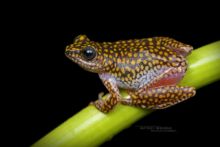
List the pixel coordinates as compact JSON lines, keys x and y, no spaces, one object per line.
{"x":159,"y":97}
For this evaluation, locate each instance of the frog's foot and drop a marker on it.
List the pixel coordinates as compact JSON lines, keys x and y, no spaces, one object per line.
{"x":105,"y":105}
{"x":159,"y":97}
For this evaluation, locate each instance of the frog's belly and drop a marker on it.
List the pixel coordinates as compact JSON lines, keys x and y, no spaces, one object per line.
{"x":130,"y":85}
{"x":138,"y":82}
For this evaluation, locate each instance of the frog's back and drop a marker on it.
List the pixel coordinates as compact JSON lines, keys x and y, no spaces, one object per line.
{"x":157,"y":45}
{"x":122,"y":47}
{"x":138,"y":61}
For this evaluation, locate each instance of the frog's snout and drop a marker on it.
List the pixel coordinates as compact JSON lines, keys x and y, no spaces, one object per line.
{"x":71,"y":53}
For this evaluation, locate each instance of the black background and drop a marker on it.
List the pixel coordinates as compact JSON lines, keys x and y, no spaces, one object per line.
{"x":45,"y":88}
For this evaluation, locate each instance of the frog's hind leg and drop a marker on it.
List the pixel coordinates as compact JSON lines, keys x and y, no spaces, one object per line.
{"x":159,"y":97}
{"x":161,"y":93}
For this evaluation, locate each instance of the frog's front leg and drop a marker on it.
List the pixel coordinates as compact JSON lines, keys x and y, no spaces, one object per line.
{"x":105,"y":105}
{"x":159,"y":97}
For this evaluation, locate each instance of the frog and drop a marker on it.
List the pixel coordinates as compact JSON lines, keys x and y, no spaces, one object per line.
{"x":149,"y":69}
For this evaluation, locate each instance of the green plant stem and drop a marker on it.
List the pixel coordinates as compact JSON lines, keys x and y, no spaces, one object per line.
{"x":90,"y":127}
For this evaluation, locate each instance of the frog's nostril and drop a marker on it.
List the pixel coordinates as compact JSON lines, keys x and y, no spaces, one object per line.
{"x":68,"y":53}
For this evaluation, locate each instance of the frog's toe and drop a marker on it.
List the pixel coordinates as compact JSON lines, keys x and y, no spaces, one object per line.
{"x":91,"y":103}
{"x":100,"y":95}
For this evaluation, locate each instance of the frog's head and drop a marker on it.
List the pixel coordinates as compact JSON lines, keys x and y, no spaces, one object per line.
{"x":85,"y":53}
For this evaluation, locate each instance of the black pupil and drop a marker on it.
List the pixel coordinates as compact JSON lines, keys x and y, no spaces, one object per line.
{"x":89,"y":53}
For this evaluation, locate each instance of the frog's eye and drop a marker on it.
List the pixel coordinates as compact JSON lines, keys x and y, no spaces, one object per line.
{"x":89,"y":53}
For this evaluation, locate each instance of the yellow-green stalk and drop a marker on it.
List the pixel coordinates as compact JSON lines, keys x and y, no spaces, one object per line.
{"x":90,"y":127}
